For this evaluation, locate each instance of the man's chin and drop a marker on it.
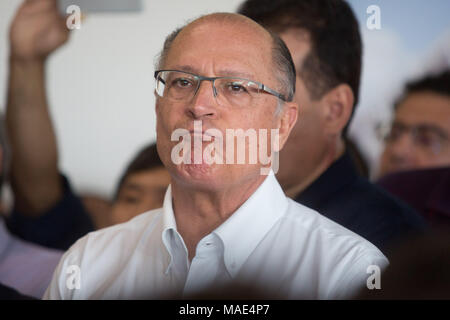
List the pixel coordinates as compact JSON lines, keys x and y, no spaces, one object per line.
{"x":201,"y":170}
{"x":198,"y":174}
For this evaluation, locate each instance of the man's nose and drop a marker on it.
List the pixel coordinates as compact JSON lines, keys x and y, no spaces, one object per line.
{"x":203,"y":103}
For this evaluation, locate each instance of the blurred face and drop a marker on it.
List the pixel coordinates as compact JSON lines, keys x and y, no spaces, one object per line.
{"x":420,"y":134}
{"x":208,"y":50}
{"x":306,"y":145}
{"x":141,"y":191}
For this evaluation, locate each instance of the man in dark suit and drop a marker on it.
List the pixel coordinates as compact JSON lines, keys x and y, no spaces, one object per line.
{"x":316,"y":167}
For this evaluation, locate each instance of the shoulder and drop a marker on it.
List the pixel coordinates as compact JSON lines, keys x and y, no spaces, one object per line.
{"x":316,"y":228}
{"x":333,"y":256}
{"x":129,"y":232}
{"x":376,"y":197}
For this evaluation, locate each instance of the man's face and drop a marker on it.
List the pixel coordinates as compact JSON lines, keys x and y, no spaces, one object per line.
{"x":212,"y":49}
{"x":140,"y":192}
{"x":305,"y":146}
{"x":420,"y":135}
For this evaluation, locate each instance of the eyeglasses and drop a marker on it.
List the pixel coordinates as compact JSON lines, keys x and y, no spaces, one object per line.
{"x":428,"y":138}
{"x":182,"y":86}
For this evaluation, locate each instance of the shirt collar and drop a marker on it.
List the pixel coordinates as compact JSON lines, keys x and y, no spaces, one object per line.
{"x":246,"y":227}
{"x":240,"y":233}
{"x":341,"y":173}
{"x":168,"y":215}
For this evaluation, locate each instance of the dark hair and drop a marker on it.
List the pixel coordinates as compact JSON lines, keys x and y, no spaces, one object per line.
{"x":280,"y":54}
{"x":436,"y":83}
{"x":146,"y":159}
{"x":336,"y":46}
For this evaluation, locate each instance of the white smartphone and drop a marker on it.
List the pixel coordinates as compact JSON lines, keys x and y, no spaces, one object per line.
{"x":102,"y":6}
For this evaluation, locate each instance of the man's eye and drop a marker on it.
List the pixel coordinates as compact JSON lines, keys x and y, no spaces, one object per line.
{"x":131,"y":199}
{"x":128,"y":198}
{"x":182,"y":83}
{"x":394,"y":134}
{"x":427,"y":138}
{"x":235,"y":88}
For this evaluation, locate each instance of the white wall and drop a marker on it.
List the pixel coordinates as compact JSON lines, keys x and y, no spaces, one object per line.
{"x":100,"y":85}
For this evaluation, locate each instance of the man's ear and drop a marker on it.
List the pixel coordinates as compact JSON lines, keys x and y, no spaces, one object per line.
{"x":156,"y":104}
{"x":287,"y":120}
{"x":338,"y":107}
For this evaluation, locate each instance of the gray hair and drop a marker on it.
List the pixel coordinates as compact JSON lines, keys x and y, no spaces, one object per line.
{"x":281,"y":57}
{"x":285,"y":69}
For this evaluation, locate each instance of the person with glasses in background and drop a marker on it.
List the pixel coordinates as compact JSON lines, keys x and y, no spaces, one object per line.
{"x":415,"y":163}
{"x":223,"y":223}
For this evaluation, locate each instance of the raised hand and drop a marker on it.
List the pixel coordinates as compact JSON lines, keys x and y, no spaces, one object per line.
{"x":37,"y":30}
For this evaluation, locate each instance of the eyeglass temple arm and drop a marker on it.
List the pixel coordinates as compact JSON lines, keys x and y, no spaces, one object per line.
{"x":159,"y":78}
{"x":273,"y":92}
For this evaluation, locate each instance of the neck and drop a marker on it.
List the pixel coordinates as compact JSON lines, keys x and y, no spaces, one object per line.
{"x":334,"y":152}
{"x":199,"y":212}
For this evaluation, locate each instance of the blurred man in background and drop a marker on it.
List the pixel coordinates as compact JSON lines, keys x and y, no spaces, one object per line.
{"x":141,"y":187}
{"x":316,"y":168}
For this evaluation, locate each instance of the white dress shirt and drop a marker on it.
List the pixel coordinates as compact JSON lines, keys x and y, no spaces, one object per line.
{"x":271,"y":242}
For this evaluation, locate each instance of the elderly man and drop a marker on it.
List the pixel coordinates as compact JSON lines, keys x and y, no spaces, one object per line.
{"x":221,"y":224}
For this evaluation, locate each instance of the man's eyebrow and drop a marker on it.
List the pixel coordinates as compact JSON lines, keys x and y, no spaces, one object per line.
{"x":221,"y":73}
{"x":186,"y":68}
{"x":427,"y":126}
{"x":235,"y":73}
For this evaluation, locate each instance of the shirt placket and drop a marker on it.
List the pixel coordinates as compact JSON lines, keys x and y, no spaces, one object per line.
{"x":207,"y":268}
